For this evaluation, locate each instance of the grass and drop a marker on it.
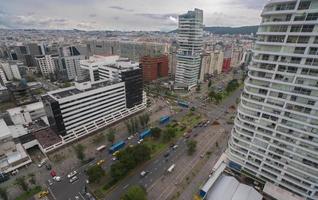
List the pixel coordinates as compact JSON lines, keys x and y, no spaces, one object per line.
{"x":30,"y":193}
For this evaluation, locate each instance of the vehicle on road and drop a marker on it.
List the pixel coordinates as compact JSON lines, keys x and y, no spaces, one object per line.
{"x":175,"y":146}
{"x":57,"y":178}
{"x":50,"y":182}
{"x":164,"y":119}
{"x":117,"y":146}
{"x":202,"y":155}
{"x":115,"y":153}
{"x":166,"y":155}
{"x":171,"y":168}
{"x":43,"y":161}
{"x":140,"y":141}
{"x":130,"y":137}
{"x":144,"y":173}
{"x":144,"y":134}
{"x":101,"y":148}
{"x":42,"y":194}
{"x":73,"y":179}
{"x":100,"y":162}
{"x":71,"y":174}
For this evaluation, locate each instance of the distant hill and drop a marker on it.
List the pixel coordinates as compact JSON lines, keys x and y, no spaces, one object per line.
{"x":230,"y":30}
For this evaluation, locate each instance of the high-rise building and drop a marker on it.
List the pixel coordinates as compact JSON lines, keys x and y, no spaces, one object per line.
{"x":71,"y":64}
{"x":190,"y":33}
{"x":47,"y":64}
{"x":275,"y":136}
{"x":154,"y":67}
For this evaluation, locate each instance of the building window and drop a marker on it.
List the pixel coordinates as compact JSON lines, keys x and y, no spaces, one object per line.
{"x":313,"y":51}
{"x":295,"y":28}
{"x":304,"y":5}
{"x":312,"y":17}
{"x":299,"y":50}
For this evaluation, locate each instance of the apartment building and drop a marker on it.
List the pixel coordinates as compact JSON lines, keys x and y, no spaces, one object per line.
{"x":190,"y":33}
{"x":48,"y":64}
{"x":154,"y":67}
{"x":275,"y":136}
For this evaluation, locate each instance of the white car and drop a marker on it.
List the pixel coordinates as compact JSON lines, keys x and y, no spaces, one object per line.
{"x":50,"y":182}
{"x":73,"y":179}
{"x":114,"y":158}
{"x":140,"y":141}
{"x":73,"y":173}
{"x":175,"y":146}
{"x":130,"y":137}
{"x":57,"y":178}
{"x":42,"y":163}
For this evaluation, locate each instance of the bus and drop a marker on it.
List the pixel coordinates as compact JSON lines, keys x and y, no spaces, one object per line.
{"x":116,"y":146}
{"x":101,"y":148}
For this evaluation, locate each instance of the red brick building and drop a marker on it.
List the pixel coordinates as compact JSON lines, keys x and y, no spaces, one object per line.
{"x":154,"y":67}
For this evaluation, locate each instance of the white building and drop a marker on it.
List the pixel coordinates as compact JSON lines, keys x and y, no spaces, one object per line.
{"x":107,"y":67}
{"x":12,"y":155}
{"x":10,"y":70}
{"x":190,"y":33}
{"x":47,"y":64}
{"x":79,"y":110}
{"x":72,"y":66}
{"x":275,"y":136}
{"x":26,"y":114}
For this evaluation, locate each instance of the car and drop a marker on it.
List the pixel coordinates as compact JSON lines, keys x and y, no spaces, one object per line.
{"x":130,"y":137}
{"x":57,"y":178}
{"x":202,"y":155}
{"x":175,"y":146}
{"x":71,"y":174}
{"x":140,"y":141}
{"x":43,"y":194}
{"x":144,"y":173}
{"x":172,"y":145}
{"x":14,"y":172}
{"x":166,"y":154}
{"x":42,"y":163}
{"x":131,"y":145}
{"x":50,"y":182}
{"x":100,"y":162}
{"x":73,"y":179}
{"x":114,"y":158}
{"x":115,"y":153}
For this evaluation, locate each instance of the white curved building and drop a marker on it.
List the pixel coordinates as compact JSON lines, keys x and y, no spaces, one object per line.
{"x":275,"y":135}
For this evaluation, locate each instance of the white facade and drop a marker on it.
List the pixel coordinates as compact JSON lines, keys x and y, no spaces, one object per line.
{"x":107,"y":67}
{"x":10,"y":71}
{"x":25,"y":114}
{"x":47,"y":64}
{"x":275,"y":135}
{"x":190,"y":33}
{"x":72,"y":65}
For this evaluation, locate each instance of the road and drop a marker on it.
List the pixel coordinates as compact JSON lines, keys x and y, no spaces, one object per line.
{"x":158,"y":165}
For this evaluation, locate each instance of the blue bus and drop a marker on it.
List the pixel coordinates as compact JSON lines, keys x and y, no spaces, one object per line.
{"x":144,"y":134}
{"x":183,"y":104}
{"x":117,"y":146}
{"x":164,"y":119}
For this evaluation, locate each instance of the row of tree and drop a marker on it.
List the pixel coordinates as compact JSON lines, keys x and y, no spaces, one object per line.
{"x":134,"y":124}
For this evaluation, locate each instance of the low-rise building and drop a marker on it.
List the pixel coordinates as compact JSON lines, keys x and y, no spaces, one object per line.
{"x":24,"y":115}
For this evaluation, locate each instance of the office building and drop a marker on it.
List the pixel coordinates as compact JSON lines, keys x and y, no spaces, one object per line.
{"x":154,"y":67}
{"x":75,"y":111}
{"x":26,"y":114}
{"x":48,"y":64}
{"x":190,"y":32}
{"x":275,"y":136}
{"x":71,"y":65}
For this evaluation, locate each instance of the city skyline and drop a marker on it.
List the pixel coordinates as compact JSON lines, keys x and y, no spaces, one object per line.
{"x":123,"y":15}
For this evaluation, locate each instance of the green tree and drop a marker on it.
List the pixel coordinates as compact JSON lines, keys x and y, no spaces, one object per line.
{"x":22,"y":183}
{"x":210,"y":83}
{"x":211,"y":95}
{"x":4,"y":194}
{"x":79,"y":151}
{"x":32,"y":178}
{"x":129,"y":127}
{"x":135,"y":192}
{"x":111,"y":135}
{"x":118,"y":170}
{"x":191,"y":146}
{"x":156,"y":132}
{"x":168,"y":134}
{"x":95,"y":173}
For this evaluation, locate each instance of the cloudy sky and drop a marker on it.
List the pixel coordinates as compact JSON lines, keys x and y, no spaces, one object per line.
{"x":124,"y":14}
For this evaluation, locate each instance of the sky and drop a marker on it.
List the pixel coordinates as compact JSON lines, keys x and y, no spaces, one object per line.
{"x":124,"y":15}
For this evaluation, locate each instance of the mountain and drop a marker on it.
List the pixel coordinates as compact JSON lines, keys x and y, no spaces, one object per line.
{"x":232,"y":30}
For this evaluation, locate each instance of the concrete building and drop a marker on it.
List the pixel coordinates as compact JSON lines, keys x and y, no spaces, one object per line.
{"x":79,"y":110}
{"x":26,"y":114}
{"x":72,"y":66}
{"x":275,"y":136}
{"x":48,"y":64}
{"x":236,"y":57}
{"x":154,"y":67}
{"x":12,"y":70}
{"x":190,"y":33}
{"x":12,"y":155}
{"x":211,"y":64}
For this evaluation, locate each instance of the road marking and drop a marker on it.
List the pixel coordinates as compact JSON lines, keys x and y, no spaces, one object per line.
{"x":81,"y":195}
{"x":51,"y":193}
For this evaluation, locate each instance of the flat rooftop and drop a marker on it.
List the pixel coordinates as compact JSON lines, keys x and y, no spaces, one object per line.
{"x":47,"y":137}
{"x":70,"y":91}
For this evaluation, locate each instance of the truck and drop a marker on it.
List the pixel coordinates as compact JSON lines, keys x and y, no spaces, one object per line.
{"x":164,"y":119}
{"x":170,"y":169}
{"x":145,"y":133}
{"x":183,"y":104}
{"x":116,"y":147}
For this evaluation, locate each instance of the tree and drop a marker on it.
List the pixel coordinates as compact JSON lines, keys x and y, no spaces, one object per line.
{"x":198,"y":88}
{"x":111,"y":135}
{"x":79,"y":151}
{"x":210,"y":83}
{"x":191,"y":145}
{"x":95,"y":173}
{"x":218,"y":97}
{"x":4,"y":194}
{"x":129,"y":127}
{"x":168,"y":134}
{"x":21,"y":182}
{"x":135,"y":192}
{"x":211,"y":95}
{"x":32,"y":178}
{"x":156,"y":132}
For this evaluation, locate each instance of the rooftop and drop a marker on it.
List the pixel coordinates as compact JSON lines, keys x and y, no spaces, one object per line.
{"x":5,"y":131}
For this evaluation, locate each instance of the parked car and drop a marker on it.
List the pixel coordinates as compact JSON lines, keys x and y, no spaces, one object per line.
{"x":73,"y":179}
{"x":71,"y":174}
{"x":57,"y":178}
{"x":50,"y":182}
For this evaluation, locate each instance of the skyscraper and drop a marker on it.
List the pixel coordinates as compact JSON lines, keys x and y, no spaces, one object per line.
{"x":190,"y":32}
{"x":275,"y":136}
